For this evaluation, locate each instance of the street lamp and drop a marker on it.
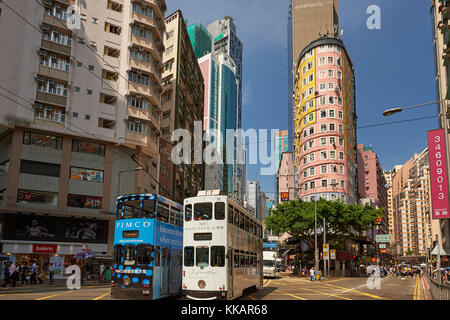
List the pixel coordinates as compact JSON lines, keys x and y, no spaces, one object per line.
{"x":390,"y":112}
{"x":122,"y":171}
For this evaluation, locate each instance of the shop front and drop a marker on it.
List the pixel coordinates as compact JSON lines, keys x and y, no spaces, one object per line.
{"x":46,"y":240}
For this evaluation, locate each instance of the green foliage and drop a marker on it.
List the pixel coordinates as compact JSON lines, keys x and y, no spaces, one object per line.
{"x":342,"y":220}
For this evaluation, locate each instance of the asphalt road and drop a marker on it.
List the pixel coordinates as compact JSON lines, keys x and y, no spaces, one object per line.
{"x":285,"y":287}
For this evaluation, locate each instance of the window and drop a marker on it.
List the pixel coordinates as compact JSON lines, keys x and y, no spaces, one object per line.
{"x":203,"y":211}
{"x":330,"y":73}
{"x":304,"y":69}
{"x":322,"y":87}
{"x":42,"y":140}
{"x":341,"y":169}
{"x":332,"y":127}
{"x":219,"y":211}
{"x":323,"y":128}
{"x":324,"y":183}
{"x":137,"y":103}
{"x":310,"y":65}
{"x":341,"y":128}
{"x":217,"y":256}
{"x":339,"y":75}
{"x":323,"y":155}
{"x":75,"y":114}
{"x":331,"y":100}
{"x":323,"y":169}
{"x":312,"y":171}
{"x":144,"y":256}
{"x":340,"y":114}
{"x":333,"y":168}
{"x":202,"y":256}
{"x":90,"y":93}
{"x":311,"y":157}
{"x":323,"y":141}
{"x":322,"y":61}
{"x":311,"y":117}
{"x":88,"y":147}
{"x":91,"y":67}
{"x":342,"y":184}
{"x":330,"y":86}
{"x":311,"y":91}
{"x":77,"y":89}
{"x":323,"y":114}
{"x":40,"y":168}
{"x":332,"y":154}
{"x":341,"y":156}
{"x":82,"y":174}
{"x":94,"y":20}
{"x":341,"y":141}
{"x":188,"y":256}
{"x":330,"y":60}
{"x":322,"y":101}
{"x":144,"y":10}
{"x":332,"y":140}
{"x":37,"y":197}
{"x":311,"y":78}
{"x":87,"y":117}
{"x":312,"y":185}
{"x":339,"y":101}
{"x":82,"y":201}
{"x":311,"y":130}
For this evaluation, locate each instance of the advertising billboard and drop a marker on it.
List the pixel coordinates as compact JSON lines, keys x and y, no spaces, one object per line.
{"x":438,"y":174}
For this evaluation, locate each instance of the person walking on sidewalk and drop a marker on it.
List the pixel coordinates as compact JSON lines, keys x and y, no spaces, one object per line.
{"x":24,"y":272}
{"x":312,"y":273}
{"x":102,"y":273}
{"x":12,"y":274}
{"x":51,"y":273}
{"x":7,"y":265}
{"x":33,"y":273}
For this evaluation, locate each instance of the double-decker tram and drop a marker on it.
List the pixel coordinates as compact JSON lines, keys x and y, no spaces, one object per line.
{"x":148,"y":244}
{"x":222,"y":245}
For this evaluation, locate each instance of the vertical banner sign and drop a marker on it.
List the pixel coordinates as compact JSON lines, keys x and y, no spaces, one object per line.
{"x":438,"y":174}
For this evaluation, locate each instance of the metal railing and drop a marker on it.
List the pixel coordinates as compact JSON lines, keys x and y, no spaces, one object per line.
{"x":438,"y":291}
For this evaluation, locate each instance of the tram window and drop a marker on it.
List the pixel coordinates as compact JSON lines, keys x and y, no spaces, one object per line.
{"x":144,"y":254}
{"x":188,"y":212}
{"x":230,"y":214}
{"x":148,"y":209}
{"x":246,"y":261}
{"x":202,"y":257}
{"x":203,"y":211}
{"x":131,"y":209}
{"x":217,"y":256}
{"x":246,"y":224}
{"x":173,"y":217}
{"x":252,"y":227}
{"x":236,"y":259}
{"x":129,"y":255}
{"x":157,"y":256}
{"x":242,"y":259}
{"x":163,"y":212}
{"x":188,"y":256}
{"x":118,"y":252}
{"x":219,"y":210}
{"x":241,"y":220}
{"x":236,"y":218}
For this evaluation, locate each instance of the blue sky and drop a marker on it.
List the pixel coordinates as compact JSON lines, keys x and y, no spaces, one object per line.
{"x":394,"y":67}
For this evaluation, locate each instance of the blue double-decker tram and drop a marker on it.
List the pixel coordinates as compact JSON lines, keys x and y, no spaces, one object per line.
{"x":148,"y":242}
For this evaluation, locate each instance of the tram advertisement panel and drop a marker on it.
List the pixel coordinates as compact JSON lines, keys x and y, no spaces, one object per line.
{"x":169,"y":236}
{"x":134,"y":231}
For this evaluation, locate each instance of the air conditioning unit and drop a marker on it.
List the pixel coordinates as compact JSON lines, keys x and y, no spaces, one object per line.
{"x":55,"y":30}
{"x":38,"y":105}
{"x":45,"y":27}
{"x":43,"y":53}
{"x":40,"y":78}
{"x":49,"y":2}
{"x":137,"y":120}
{"x":48,"y":108}
{"x":141,"y":25}
{"x":141,"y":48}
{"x":139,"y":71}
{"x":53,"y":55}
{"x":144,"y":3}
{"x":93,"y":43}
{"x":138,"y":96}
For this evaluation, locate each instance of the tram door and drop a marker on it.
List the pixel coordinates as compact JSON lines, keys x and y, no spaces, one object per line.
{"x":230,"y":273}
{"x":165,"y":271}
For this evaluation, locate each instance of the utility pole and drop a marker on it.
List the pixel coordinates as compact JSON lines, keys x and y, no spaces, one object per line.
{"x":324,"y":242}
{"x":316,"y":252}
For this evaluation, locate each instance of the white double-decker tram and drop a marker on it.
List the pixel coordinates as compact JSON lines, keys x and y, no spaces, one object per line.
{"x":222,"y":248}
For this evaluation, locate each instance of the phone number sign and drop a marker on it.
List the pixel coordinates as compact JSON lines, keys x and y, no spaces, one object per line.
{"x":438,"y":174}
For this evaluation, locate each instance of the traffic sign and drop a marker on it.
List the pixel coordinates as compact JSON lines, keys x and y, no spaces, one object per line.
{"x":326,"y":247}
{"x":332,"y":254}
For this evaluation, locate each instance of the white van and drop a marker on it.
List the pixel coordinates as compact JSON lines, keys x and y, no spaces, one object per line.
{"x":269,"y":264}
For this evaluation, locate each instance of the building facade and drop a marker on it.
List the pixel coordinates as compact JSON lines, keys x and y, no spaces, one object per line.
{"x":76,"y":106}
{"x":307,"y":21}
{"x":253,"y":197}
{"x":389,"y":176}
{"x":182,"y":105}
{"x":325,"y":123}
{"x":441,"y":29}
{"x":286,"y":179}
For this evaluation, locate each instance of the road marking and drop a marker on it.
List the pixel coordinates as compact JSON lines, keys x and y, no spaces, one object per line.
{"x":415,"y":291}
{"x":292,"y":295}
{"x":267,"y":283}
{"x":102,"y":296}
{"x":325,"y":294}
{"x":424,"y":290}
{"x":54,"y":295}
{"x":359,"y":292}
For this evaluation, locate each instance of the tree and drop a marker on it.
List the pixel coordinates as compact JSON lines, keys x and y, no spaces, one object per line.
{"x":343,"y":221}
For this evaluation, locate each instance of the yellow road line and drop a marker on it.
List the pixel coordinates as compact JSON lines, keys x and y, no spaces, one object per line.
{"x":292,"y":295}
{"x":359,"y":292}
{"x":102,"y":296}
{"x":326,"y":294}
{"x":54,"y":295}
{"x":267,"y":283}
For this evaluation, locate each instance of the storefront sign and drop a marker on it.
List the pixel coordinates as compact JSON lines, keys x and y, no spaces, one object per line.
{"x":438,"y":174}
{"x":383,"y":238}
{"x":332,"y":254}
{"x":45,"y":248}
{"x":382,"y":250}
{"x":284,"y":196}
{"x":58,"y":265}
{"x":28,"y":196}
{"x":342,"y":256}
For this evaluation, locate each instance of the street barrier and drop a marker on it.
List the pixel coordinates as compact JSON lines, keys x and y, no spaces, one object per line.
{"x":438,"y":291}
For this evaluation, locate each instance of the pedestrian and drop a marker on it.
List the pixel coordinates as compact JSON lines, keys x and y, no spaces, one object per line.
{"x":51,"y":273}
{"x":312,"y":273}
{"x":7,"y":265}
{"x":24,"y":272}
{"x":12,"y":274}
{"x":102,"y":273}
{"x":33,"y":273}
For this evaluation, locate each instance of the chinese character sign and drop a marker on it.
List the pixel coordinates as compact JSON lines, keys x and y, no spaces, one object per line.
{"x":438,"y":174}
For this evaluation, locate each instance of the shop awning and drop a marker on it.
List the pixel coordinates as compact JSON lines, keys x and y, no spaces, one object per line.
{"x":443,"y":251}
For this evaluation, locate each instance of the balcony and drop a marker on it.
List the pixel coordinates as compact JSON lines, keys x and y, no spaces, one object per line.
{"x":146,"y":43}
{"x":55,"y":21}
{"x":147,"y":67}
{"x":145,"y":115}
{"x":51,"y":99}
{"x":152,"y":22}
{"x":53,"y":46}
{"x":66,"y":2}
{"x":149,"y":146}
{"x":53,"y":73}
{"x":147,"y":91}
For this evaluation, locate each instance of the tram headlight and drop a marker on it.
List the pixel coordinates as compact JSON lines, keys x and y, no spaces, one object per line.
{"x":202,"y":284}
{"x":127,"y":281}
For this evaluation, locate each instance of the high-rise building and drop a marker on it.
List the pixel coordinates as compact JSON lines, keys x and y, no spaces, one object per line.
{"x":285,"y":178}
{"x":281,"y":145}
{"x":201,"y":39}
{"x":439,"y":16}
{"x":308,"y":20}
{"x":182,"y":104}
{"x":222,"y":73}
{"x":372,"y":183}
{"x":253,"y":194}
{"x":262,"y":206}
{"x":325,"y":122}
{"x":76,"y":105}
{"x":389,"y":176}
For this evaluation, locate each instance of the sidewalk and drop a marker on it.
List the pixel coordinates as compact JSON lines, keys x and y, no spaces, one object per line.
{"x":57,"y":283}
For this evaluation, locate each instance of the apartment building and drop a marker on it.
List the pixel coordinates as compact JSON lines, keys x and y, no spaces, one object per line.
{"x":285,"y":178}
{"x":441,"y":28}
{"x":325,"y":123}
{"x":389,"y":176}
{"x":77,"y":105}
{"x":182,"y":104}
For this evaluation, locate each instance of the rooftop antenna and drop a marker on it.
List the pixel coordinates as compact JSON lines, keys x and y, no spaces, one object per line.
{"x":342,"y":33}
